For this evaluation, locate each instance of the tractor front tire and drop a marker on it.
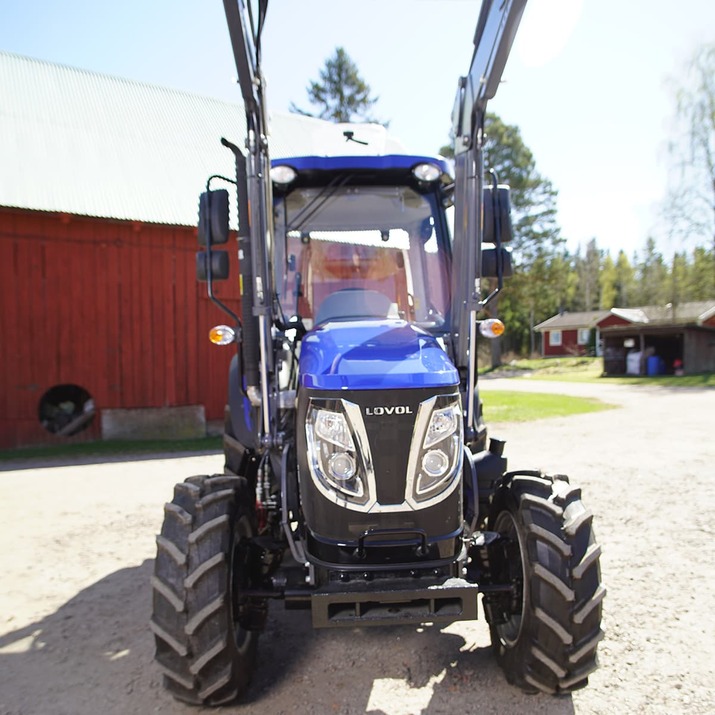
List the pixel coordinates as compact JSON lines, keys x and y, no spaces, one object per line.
{"x":545,"y":634}
{"x":205,"y":635}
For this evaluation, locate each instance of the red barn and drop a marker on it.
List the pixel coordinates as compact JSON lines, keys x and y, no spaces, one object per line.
{"x":100,"y":311}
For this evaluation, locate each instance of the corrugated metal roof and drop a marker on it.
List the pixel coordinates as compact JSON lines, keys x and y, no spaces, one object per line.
{"x":693,"y":312}
{"x":79,"y":142}
{"x":90,"y":144}
{"x":566,"y":321}
{"x":632,"y":315}
{"x":681,"y":314}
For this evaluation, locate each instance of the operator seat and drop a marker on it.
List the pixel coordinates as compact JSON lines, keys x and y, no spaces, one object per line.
{"x":353,"y":304}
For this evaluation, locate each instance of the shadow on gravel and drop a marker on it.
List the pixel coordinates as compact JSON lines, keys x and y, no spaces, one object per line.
{"x":95,"y":654}
{"x":16,"y":465}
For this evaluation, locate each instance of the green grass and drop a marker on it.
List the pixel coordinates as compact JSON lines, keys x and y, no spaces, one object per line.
{"x":706,"y":379}
{"x":508,"y":406}
{"x":113,"y":448}
{"x":583,"y":369}
{"x":558,"y":364}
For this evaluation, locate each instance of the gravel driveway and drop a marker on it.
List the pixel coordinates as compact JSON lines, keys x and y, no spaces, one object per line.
{"x":78,"y":544}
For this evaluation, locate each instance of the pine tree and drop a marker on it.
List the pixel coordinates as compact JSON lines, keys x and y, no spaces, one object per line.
{"x":341,"y":94}
{"x":540,"y":283}
{"x":702,"y":274}
{"x":625,"y":282}
{"x":652,"y":277}
{"x":587,"y":271}
{"x":607,"y":284}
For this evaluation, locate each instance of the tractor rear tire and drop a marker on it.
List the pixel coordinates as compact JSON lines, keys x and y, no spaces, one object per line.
{"x":546,"y":634}
{"x":205,"y":635}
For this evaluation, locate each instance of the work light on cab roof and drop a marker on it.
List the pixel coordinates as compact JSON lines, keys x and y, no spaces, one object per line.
{"x":283,"y":175}
{"x":426,"y":172}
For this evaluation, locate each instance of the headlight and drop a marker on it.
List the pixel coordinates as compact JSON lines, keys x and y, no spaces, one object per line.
{"x":443,"y":423}
{"x":340,"y":462}
{"x":435,"y":463}
{"x":332,"y":427}
{"x":341,"y":471}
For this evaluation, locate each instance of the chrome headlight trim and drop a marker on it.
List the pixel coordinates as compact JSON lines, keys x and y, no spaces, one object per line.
{"x":426,"y":438}
{"x":359,"y":493}
{"x":363,"y":498}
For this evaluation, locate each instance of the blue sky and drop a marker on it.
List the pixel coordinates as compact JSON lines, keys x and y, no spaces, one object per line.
{"x":587,"y":82}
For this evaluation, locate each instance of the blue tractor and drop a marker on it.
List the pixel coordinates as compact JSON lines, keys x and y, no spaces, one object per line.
{"x":359,"y":482}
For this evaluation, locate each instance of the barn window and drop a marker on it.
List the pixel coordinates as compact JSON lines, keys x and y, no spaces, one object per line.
{"x":66,"y":410}
{"x":584,"y":335}
{"x":554,"y":338}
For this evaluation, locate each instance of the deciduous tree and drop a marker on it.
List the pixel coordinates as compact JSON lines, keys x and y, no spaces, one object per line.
{"x":691,"y":204}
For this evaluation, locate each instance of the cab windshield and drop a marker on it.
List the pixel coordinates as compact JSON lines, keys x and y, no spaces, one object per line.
{"x":361,"y":252}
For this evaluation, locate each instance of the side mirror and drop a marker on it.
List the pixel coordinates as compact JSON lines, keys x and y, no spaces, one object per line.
{"x":497,"y":209}
{"x":219,"y":265}
{"x":213,"y":217}
{"x":490,"y":262}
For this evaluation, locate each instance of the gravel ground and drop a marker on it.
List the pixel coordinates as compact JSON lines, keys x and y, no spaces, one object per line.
{"x":78,"y":545}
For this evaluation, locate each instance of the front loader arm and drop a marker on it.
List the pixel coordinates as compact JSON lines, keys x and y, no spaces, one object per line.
{"x":494,"y":36}
{"x":255,"y":234}
{"x":496,"y":28}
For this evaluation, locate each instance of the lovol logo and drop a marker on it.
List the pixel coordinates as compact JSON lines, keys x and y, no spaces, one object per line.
{"x":396,"y":410}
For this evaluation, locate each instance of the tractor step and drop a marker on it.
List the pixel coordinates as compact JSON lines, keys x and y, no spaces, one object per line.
{"x":398,"y":603}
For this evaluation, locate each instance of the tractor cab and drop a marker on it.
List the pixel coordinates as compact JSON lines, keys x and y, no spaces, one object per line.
{"x":362,"y":238}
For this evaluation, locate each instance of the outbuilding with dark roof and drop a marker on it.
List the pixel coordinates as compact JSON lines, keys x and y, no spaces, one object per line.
{"x":655,"y":340}
{"x":643,"y":340}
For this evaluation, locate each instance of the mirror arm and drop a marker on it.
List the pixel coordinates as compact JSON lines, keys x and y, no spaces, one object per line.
{"x":497,"y":242}
{"x":209,"y":270}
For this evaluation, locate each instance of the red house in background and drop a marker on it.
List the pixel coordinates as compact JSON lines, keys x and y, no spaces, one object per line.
{"x":644,"y":340}
{"x":100,"y":313}
{"x":571,"y":334}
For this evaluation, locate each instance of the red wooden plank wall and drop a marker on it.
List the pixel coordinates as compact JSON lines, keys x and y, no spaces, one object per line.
{"x":569,"y":344}
{"x":611,"y":320}
{"x":111,"y":306}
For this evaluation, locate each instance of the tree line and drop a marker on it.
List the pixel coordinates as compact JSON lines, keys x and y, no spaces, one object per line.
{"x":548,"y":278}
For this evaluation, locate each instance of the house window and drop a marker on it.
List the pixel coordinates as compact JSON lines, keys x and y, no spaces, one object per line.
{"x":554,"y":338}
{"x":584,"y":335}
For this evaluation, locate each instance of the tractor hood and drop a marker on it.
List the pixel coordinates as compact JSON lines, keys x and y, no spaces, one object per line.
{"x":373,"y":354}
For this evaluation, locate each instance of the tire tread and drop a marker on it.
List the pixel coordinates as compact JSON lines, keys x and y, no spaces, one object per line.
{"x":555,"y":649}
{"x":192,"y":617}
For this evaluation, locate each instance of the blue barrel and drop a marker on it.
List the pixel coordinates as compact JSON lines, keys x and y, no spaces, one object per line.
{"x":654,"y":365}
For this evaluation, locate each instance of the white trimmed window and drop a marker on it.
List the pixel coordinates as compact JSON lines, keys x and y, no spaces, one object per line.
{"x":584,"y":335}
{"x":554,"y":338}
